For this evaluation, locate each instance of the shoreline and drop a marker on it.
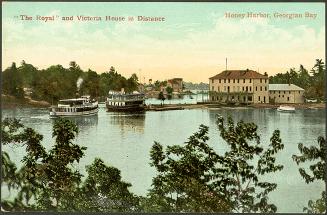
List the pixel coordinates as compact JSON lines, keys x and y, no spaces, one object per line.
{"x":9,"y":102}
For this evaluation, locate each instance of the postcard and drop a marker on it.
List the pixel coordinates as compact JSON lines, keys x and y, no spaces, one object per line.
{"x":163,"y":107}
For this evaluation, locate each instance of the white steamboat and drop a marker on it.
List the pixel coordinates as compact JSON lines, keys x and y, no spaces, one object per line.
{"x":75,"y":107}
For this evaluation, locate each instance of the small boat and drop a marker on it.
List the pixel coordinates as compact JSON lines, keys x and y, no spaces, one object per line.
{"x":311,"y":100}
{"x":126,"y":102}
{"x":284,"y":108}
{"x":75,"y":107}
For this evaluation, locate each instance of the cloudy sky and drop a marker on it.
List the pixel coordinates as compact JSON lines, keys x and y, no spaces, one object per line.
{"x":192,"y":43}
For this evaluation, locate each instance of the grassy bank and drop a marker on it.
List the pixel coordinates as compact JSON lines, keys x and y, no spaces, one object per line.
{"x":12,"y":102}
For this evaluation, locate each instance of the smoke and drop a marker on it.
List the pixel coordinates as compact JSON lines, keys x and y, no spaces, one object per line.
{"x":79,"y":83}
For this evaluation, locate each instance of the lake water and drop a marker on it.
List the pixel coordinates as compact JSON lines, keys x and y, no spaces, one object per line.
{"x":124,"y":141}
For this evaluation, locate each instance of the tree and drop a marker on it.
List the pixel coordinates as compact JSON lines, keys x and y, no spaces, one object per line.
{"x":182,"y":183}
{"x":232,"y":180}
{"x":169,"y":90}
{"x":240,"y":168}
{"x":319,"y":73}
{"x":161,"y":97}
{"x":104,"y":191}
{"x":12,"y":82}
{"x":318,"y":171}
{"x":91,"y":84}
{"x":157,"y":85}
{"x":49,"y":178}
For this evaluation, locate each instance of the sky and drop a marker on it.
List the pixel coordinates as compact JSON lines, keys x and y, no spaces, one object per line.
{"x":192,"y":43}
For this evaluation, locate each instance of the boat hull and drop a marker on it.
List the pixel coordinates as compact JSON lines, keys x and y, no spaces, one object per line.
{"x":286,"y":109}
{"x":72,"y":114}
{"x":131,"y":108}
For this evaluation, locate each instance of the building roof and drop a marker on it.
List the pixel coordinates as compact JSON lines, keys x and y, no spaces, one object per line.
{"x":284,"y":87}
{"x":175,"y":80}
{"x":238,"y":74}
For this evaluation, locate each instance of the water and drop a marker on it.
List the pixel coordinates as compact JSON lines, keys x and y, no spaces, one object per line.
{"x":186,"y":99}
{"x":124,"y":141}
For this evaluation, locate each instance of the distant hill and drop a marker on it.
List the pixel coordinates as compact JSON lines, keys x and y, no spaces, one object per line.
{"x":195,"y":86}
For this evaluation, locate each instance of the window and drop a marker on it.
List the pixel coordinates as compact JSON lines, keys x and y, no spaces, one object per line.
{"x":246,"y":89}
{"x":256,"y":88}
{"x":260,"y":88}
{"x":242,"y":88}
{"x":218,"y":89}
{"x":265,"y":80}
{"x":299,"y":92}
{"x":213,"y":88}
{"x":279,"y":92}
{"x":250,"y":89}
{"x":219,"y":80}
{"x":260,"y":80}
{"x":233,"y":80}
{"x":250,"y":98}
{"x":288,"y":98}
{"x":238,"y":80}
{"x":284,"y":92}
{"x":224,"y":80}
{"x":212,"y":80}
{"x":283,"y":96}
{"x":265,"y":88}
{"x":289,"y":92}
{"x":243,"y":80}
{"x":279,"y":96}
{"x":250,"y":80}
{"x":258,"y":98}
{"x":228,"y":80}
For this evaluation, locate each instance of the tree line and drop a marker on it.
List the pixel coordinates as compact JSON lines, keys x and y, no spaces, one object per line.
{"x":190,"y":177}
{"x":313,"y":81}
{"x":57,"y":82}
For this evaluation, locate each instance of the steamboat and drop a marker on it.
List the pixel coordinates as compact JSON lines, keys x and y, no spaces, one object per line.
{"x":75,"y":107}
{"x":128,"y":102}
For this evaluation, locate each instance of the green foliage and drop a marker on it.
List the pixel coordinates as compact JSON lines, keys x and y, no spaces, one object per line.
{"x":12,"y":82}
{"x":103,"y":190}
{"x":313,"y":84}
{"x":48,"y":180}
{"x":161,"y":97}
{"x":239,"y":170}
{"x":57,"y":82}
{"x":318,"y":170}
{"x":169,"y":90}
{"x":182,"y":183}
{"x":194,"y":178}
{"x":318,"y":206}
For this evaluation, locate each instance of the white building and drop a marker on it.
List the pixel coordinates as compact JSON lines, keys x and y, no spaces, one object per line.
{"x":285,"y":93}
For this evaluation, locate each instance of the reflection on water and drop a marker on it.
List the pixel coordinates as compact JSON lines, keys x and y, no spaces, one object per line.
{"x":128,"y":121}
{"x":83,"y":122}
